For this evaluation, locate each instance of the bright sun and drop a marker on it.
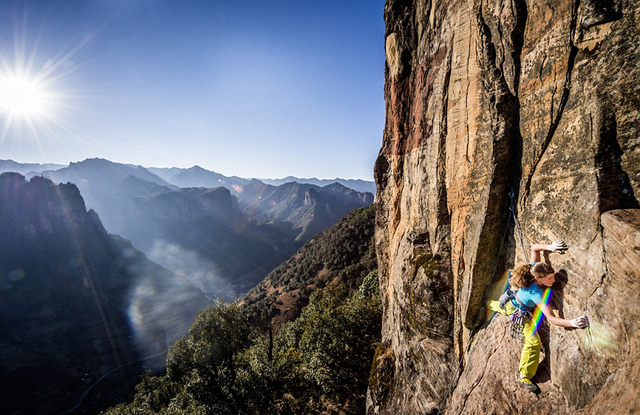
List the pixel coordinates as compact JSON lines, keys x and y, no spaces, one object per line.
{"x":21,"y":97}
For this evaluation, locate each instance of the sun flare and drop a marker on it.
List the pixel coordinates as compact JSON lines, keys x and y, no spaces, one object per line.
{"x":35,"y":101}
{"x":20,"y":96}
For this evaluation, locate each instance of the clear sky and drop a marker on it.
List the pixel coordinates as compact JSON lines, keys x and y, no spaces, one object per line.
{"x":249,"y":88}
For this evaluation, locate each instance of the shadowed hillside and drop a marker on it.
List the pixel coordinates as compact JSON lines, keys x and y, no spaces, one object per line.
{"x":82,"y":314}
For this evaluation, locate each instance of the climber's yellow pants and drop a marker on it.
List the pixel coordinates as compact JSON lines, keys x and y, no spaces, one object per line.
{"x":530,"y":356}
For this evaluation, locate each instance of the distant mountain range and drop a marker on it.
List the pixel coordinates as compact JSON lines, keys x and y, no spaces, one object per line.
{"x":82,"y":313}
{"x":358,"y":185}
{"x":196,"y":176}
{"x":223,"y":233}
{"x":306,"y":208}
{"x":99,"y":173}
{"x":25,"y":168}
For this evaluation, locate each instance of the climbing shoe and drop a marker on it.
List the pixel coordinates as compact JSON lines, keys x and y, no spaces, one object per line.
{"x":531,"y":387}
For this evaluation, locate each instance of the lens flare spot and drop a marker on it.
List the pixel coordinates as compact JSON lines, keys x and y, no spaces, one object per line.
{"x":537,"y":314}
{"x":237,"y":188}
{"x":16,"y":275}
{"x":598,"y":339}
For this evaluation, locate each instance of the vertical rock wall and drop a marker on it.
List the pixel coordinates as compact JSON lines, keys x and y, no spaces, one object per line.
{"x":496,"y":107}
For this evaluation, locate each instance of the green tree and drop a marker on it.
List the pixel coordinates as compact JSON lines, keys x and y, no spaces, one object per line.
{"x":205,"y":362}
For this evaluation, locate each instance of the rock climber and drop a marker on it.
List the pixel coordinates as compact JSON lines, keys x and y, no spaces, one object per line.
{"x":532,"y":281}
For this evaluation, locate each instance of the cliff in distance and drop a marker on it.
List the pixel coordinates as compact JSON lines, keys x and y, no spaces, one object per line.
{"x":500,"y":111}
{"x":83,"y":313}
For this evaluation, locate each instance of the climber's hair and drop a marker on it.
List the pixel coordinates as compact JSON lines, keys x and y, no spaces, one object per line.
{"x":525,"y":275}
{"x":541,"y":270}
{"x":521,"y":276}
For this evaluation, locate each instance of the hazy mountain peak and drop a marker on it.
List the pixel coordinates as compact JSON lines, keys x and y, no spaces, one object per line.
{"x":92,"y":161}
{"x":25,"y":168}
{"x":355,"y":184}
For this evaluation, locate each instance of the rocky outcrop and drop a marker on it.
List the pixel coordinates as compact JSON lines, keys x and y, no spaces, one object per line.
{"x":497,"y":112}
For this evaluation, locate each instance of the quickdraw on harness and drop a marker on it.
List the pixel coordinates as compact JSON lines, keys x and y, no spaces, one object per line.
{"x":518,"y":319}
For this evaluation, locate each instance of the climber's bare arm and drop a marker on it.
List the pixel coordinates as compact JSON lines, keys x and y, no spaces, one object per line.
{"x":536,"y":252}
{"x":579,"y":322}
{"x":538,"y":249}
{"x":551,"y":316}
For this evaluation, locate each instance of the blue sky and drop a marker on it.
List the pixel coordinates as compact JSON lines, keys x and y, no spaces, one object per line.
{"x":249,"y":88}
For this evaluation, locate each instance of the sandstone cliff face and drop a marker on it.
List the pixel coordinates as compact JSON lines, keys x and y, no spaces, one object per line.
{"x":496,"y":107}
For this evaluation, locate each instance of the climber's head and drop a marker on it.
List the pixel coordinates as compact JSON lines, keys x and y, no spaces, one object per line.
{"x":543,"y":274}
{"x":539,"y":273}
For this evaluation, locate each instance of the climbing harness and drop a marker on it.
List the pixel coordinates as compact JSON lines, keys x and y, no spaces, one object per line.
{"x":519,"y":315}
{"x":518,"y":319}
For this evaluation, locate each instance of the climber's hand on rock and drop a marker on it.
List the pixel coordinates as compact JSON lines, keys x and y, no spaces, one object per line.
{"x":580,"y":322}
{"x":558,"y":246}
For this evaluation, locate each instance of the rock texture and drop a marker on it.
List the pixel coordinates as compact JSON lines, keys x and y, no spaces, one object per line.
{"x":503,"y":110}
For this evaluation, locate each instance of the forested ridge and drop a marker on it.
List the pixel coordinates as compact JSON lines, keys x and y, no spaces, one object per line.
{"x":343,"y":254}
{"x":234,"y":361}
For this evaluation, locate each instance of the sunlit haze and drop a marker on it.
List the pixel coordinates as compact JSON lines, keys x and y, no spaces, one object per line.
{"x":247,"y":88}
